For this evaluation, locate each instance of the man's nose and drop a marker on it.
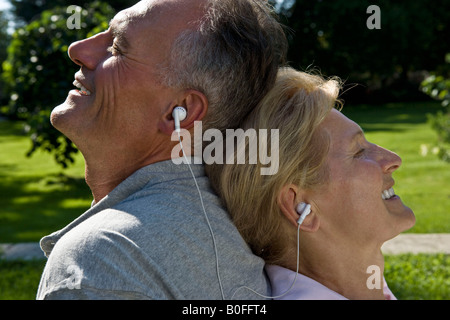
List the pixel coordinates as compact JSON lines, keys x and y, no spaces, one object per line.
{"x":89,"y":52}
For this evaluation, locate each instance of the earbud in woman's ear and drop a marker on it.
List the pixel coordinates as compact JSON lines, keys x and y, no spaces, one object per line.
{"x":303,"y":209}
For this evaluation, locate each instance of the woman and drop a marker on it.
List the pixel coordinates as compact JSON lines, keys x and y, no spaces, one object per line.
{"x":324,"y":161}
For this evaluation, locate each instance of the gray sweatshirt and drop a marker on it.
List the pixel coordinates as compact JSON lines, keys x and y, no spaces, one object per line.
{"x":149,"y":239}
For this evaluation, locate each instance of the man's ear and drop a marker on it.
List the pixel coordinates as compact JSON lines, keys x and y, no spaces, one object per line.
{"x":196,"y":105}
{"x":288,"y":199}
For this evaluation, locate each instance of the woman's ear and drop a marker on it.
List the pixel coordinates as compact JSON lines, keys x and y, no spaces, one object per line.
{"x":311,"y":222}
{"x":196,"y":105}
{"x":287,"y":202}
{"x":288,"y":199}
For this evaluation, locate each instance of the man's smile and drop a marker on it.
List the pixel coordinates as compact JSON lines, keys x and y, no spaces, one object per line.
{"x":82,"y":90}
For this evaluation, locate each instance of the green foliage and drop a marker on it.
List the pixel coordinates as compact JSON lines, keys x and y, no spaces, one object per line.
{"x":38,"y":72}
{"x":333,"y":36}
{"x":4,"y":41}
{"x":419,"y":277}
{"x":29,"y":10}
{"x":437,"y":86}
{"x":329,"y":34}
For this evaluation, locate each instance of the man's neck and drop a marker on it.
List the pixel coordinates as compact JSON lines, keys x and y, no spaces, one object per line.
{"x":103,"y":177}
{"x":102,"y":181}
{"x":107,"y":166}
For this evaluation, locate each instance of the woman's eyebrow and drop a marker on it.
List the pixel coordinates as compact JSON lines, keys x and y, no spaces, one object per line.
{"x":356,"y":136}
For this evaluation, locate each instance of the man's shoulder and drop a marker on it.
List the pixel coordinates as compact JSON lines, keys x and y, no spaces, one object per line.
{"x":160,"y":241}
{"x":99,"y":263}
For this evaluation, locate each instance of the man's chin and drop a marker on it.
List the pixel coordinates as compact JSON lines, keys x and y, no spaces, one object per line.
{"x":64,"y":116}
{"x":58,"y":114}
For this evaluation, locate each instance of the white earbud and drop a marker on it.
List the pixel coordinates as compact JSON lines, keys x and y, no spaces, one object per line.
{"x":303,"y":209}
{"x":178,"y":114}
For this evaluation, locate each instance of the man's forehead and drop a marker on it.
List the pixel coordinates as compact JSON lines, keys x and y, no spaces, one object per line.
{"x":124,"y":17}
{"x":157,"y":10}
{"x":123,"y":20}
{"x":155,"y":21}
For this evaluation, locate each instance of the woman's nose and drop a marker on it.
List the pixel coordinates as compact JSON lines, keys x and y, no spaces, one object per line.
{"x":389,"y":160}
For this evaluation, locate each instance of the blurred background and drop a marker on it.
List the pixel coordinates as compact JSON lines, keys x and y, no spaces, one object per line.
{"x":331,"y":36}
{"x":396,"y":68}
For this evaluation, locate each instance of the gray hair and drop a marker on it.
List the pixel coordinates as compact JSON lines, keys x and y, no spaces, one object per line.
{"x":232,"y":56}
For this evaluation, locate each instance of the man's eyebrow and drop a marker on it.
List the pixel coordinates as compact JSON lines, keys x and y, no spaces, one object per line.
{"x":118,"y":33}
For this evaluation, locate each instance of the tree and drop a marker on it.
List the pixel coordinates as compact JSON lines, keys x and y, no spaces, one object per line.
{"x":4,"y":42}
{"x":437,"y":86}
{"x":38,"y":72}
{"x":333,"y":36}
{"x":29,"y":10}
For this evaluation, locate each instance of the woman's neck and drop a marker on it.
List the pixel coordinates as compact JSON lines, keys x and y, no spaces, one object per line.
{"x":356,"y":272}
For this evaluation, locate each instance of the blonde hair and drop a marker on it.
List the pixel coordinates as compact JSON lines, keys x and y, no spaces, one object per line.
{"x":296,"y":105}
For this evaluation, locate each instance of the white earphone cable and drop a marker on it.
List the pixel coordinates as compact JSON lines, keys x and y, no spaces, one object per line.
{"x":215,"y":246}
{"x":206,"y":217}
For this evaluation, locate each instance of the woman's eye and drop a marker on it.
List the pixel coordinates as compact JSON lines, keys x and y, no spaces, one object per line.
{"x":360,"y":153}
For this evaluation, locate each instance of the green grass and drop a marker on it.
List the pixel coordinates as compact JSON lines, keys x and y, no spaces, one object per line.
{"x":418,"y":277}
{"x":20,"y":279}
{"x":36,"y":196}
{"x":423,"y":181}
{"x":410,"y":277}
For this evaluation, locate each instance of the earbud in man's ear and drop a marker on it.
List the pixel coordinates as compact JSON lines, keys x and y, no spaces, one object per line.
{"x":178,"y":114}
{"x":303,"y":209}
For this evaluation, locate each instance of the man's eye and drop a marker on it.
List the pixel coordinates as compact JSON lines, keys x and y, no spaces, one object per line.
{"x":114,"y":50}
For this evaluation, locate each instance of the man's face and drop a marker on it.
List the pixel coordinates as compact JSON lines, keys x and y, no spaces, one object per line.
{"x":120,"y":101}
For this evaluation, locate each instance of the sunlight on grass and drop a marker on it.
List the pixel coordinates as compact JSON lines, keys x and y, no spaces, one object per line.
{"x":36,"y":196}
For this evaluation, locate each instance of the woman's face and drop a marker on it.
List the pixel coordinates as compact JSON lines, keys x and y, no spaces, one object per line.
{"x":355,"y":203}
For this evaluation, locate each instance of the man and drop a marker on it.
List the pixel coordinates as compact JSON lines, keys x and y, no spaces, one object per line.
{"x":146,"y":235}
